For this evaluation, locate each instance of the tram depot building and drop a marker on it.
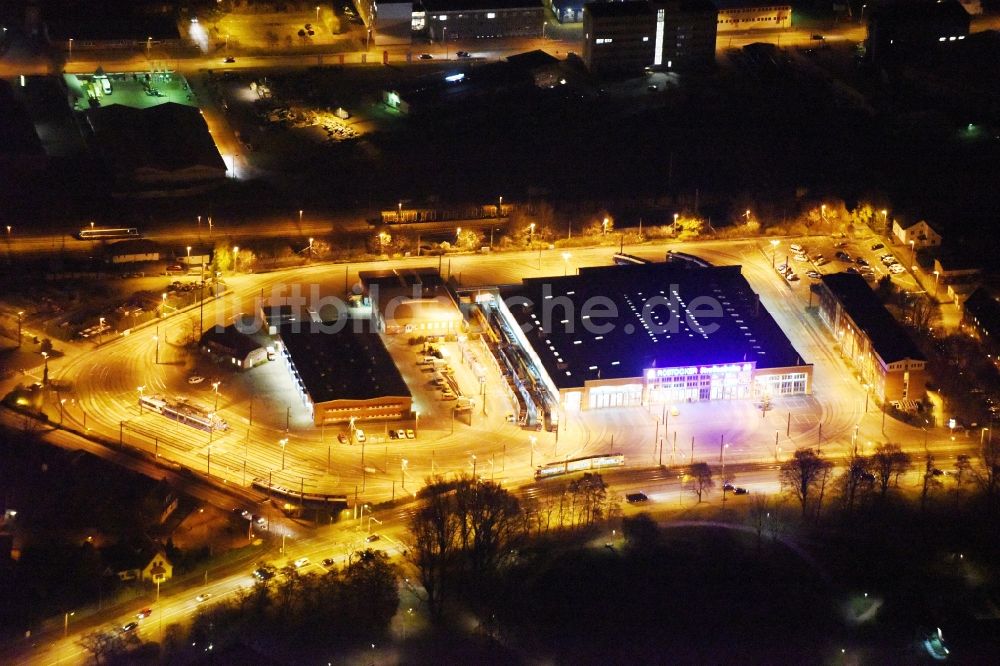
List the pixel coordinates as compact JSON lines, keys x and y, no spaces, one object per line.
{"x":652,"y":334}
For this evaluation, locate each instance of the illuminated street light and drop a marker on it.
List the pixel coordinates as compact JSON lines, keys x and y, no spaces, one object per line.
{"x":310,"y":247}
{"x":747,"y":214}
{"x":458,"y":233}
{"x":399,"y":212}
{"x":149,"y":43}
{"x":913,"y":255}
{"x":604,"y":226}
{"x":70,"y":49}
{"x":236,"y":258}
{"x":937,"y":282}
{"x":317,"y":13}
{"x":544,"y":25}
{"x":774,"y":249}
{"x":566,"y":256}
{"x":300,"y":217}
{"x":531,"y":233}
{"x":20,"y":318}
{"x":673,"y":229}
{"x":215,"y":387}
{"x":283,"y":442}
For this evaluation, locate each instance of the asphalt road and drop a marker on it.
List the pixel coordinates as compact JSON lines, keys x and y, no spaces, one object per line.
{"x":106,"y":378}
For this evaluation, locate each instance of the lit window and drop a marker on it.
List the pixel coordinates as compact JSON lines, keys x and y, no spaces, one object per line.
{"x":443,"y":17}
{"x":491,"y":15}
{"x":645,"y":39}
{"x":940,"y":39}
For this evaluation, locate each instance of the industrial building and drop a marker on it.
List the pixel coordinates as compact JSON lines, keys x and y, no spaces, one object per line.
{"x":741,"y":15}
{"x":631,"y":36}
{"x":880,"y":349}
{"x":448,"y":20}
{"x":626,"y":336}
{"x":900,"y":31}
{"x":411,"y":301}
{"x":231,"y":345}
{"x":342,"y":372}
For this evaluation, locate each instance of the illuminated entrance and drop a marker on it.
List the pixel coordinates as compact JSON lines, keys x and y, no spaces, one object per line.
{"x":697,"y":383}
{"x":627,"y":395}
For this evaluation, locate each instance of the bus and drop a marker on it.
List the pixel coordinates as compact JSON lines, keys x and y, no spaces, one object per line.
{"x":688,"y":260}
{"x":621,"y":259}
{"x":184,"y":412}
{"x":586,"y":464}
{"x":107,"y":234}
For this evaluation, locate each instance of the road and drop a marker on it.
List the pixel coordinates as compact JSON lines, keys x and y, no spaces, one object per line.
{"x":105,"y":381}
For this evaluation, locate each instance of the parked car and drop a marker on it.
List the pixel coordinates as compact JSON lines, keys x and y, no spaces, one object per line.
{"x":410,"y":434}
{"x":877,"y":246}
{"x":342,"y":438}
{"x":328,"y":562}
{"x":815,"y":275}
{"x":372,"y":537}
{"x":393,"y":435}
{"x":359,"y":436}
{"x":861,"y":261}
{"x":792,"y":277}
{"x":896,"y":269}
{"x":843,"y":256}
{"x":301,"y":562}
{"x":795,"y":247}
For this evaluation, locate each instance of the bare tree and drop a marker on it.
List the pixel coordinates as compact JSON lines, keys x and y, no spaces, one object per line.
{"x":854,"y":479}
{"x":434,"y":528}
{"x":988,"y":472}
{"x":488,"y":517}
{"x":760,"y":514}
{"x":702,"y":482}
{"x":803,"y":473}
{"x":930,"y":481}
{"x":963,"y":469}
{"x":590,"y":491}
{"x":887,"y":463}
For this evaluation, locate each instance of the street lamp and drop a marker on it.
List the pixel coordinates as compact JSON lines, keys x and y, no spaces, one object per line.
{"x":531,"y":233}
{"x":149,"y":43}
{"x":747,"y":215}
{"x":45,"y":372}
{"x":310,"y":247}
{"x":458,"y":233}
{"x":140,"y":389}
{"x":283,"y":442}
{"x":70,"y":49}
{"x":68,"y":614}
{"x":913,"y":255}
{"x":236,"y":259}
{"x":937,"y":278}
{"x":215,"y":387}
{"x":673,"y":227}
{"x":444,"y":38}
{"x":300,"y":217}
{"x":533,"y":440}
{"x":317,"y":13}
{"x":544,"y":24}
{"x":774,"y":249}
{"x":20,"y":318}
{"x":566,"y":256}
{"x":604,"y":226}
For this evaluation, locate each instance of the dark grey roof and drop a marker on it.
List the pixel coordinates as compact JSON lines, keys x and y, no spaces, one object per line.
{"x":17,"y":132}
{"x":918,"y":11}
{"x":166,"y":137}
{"x":648,"y":299}
{"x":984,"y":308}
{"x":616,"y":9}
{"x":478,"y":5}
{"x":889,"y":339}
{"x":402,"y":278}
{"x":230,"y":340}
{"x":345,"y":362}
{"x":91,"y":28}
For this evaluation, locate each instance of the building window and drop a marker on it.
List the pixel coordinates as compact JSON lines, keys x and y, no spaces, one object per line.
{"x":645,"y":39}
{"x":491,"y":15}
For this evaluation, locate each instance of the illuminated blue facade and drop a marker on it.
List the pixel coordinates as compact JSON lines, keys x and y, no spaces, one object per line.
{"x":567,"y":11}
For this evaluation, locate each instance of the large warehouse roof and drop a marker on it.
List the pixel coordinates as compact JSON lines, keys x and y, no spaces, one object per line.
{"x":342,"y":365}
{"x":661,"y":321}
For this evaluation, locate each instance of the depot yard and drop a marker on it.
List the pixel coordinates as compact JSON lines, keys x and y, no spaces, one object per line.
{"x":140,"y":90}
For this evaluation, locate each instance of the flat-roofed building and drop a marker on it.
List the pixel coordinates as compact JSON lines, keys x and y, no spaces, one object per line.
{"x":342,"y":371}
{"x":451,"y":20}
{"x":902,"y":30}
{"x":667,"y":34}
{"x":411,"y":301}
{"x":742,"y":15}
{"x":981,"y":317}
{"x":229,"y":344}
{"x":878,"y":346}
{"x":658,"y":333}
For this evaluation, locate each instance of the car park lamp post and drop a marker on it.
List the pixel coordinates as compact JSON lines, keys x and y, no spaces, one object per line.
{"x":774,"y":250}
{"x":236,"y":258}
{"x":444,"y":38}
{"x":283,"y":442}
{"x":937,"y":282}
{"x":913,"y":255}
{"x":317,"y":13}
{"x":215,"y":387}
{"x":62,"y":405}
{"x":66,"y":616}
{"x":566,"y":256}
{"x":531,"y":233}
{"x":45,"y":372}
{"x":544,"y":25}
{"x":70,"y":49}
{"x":20,"y":319}
{"x":604,"y":226}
